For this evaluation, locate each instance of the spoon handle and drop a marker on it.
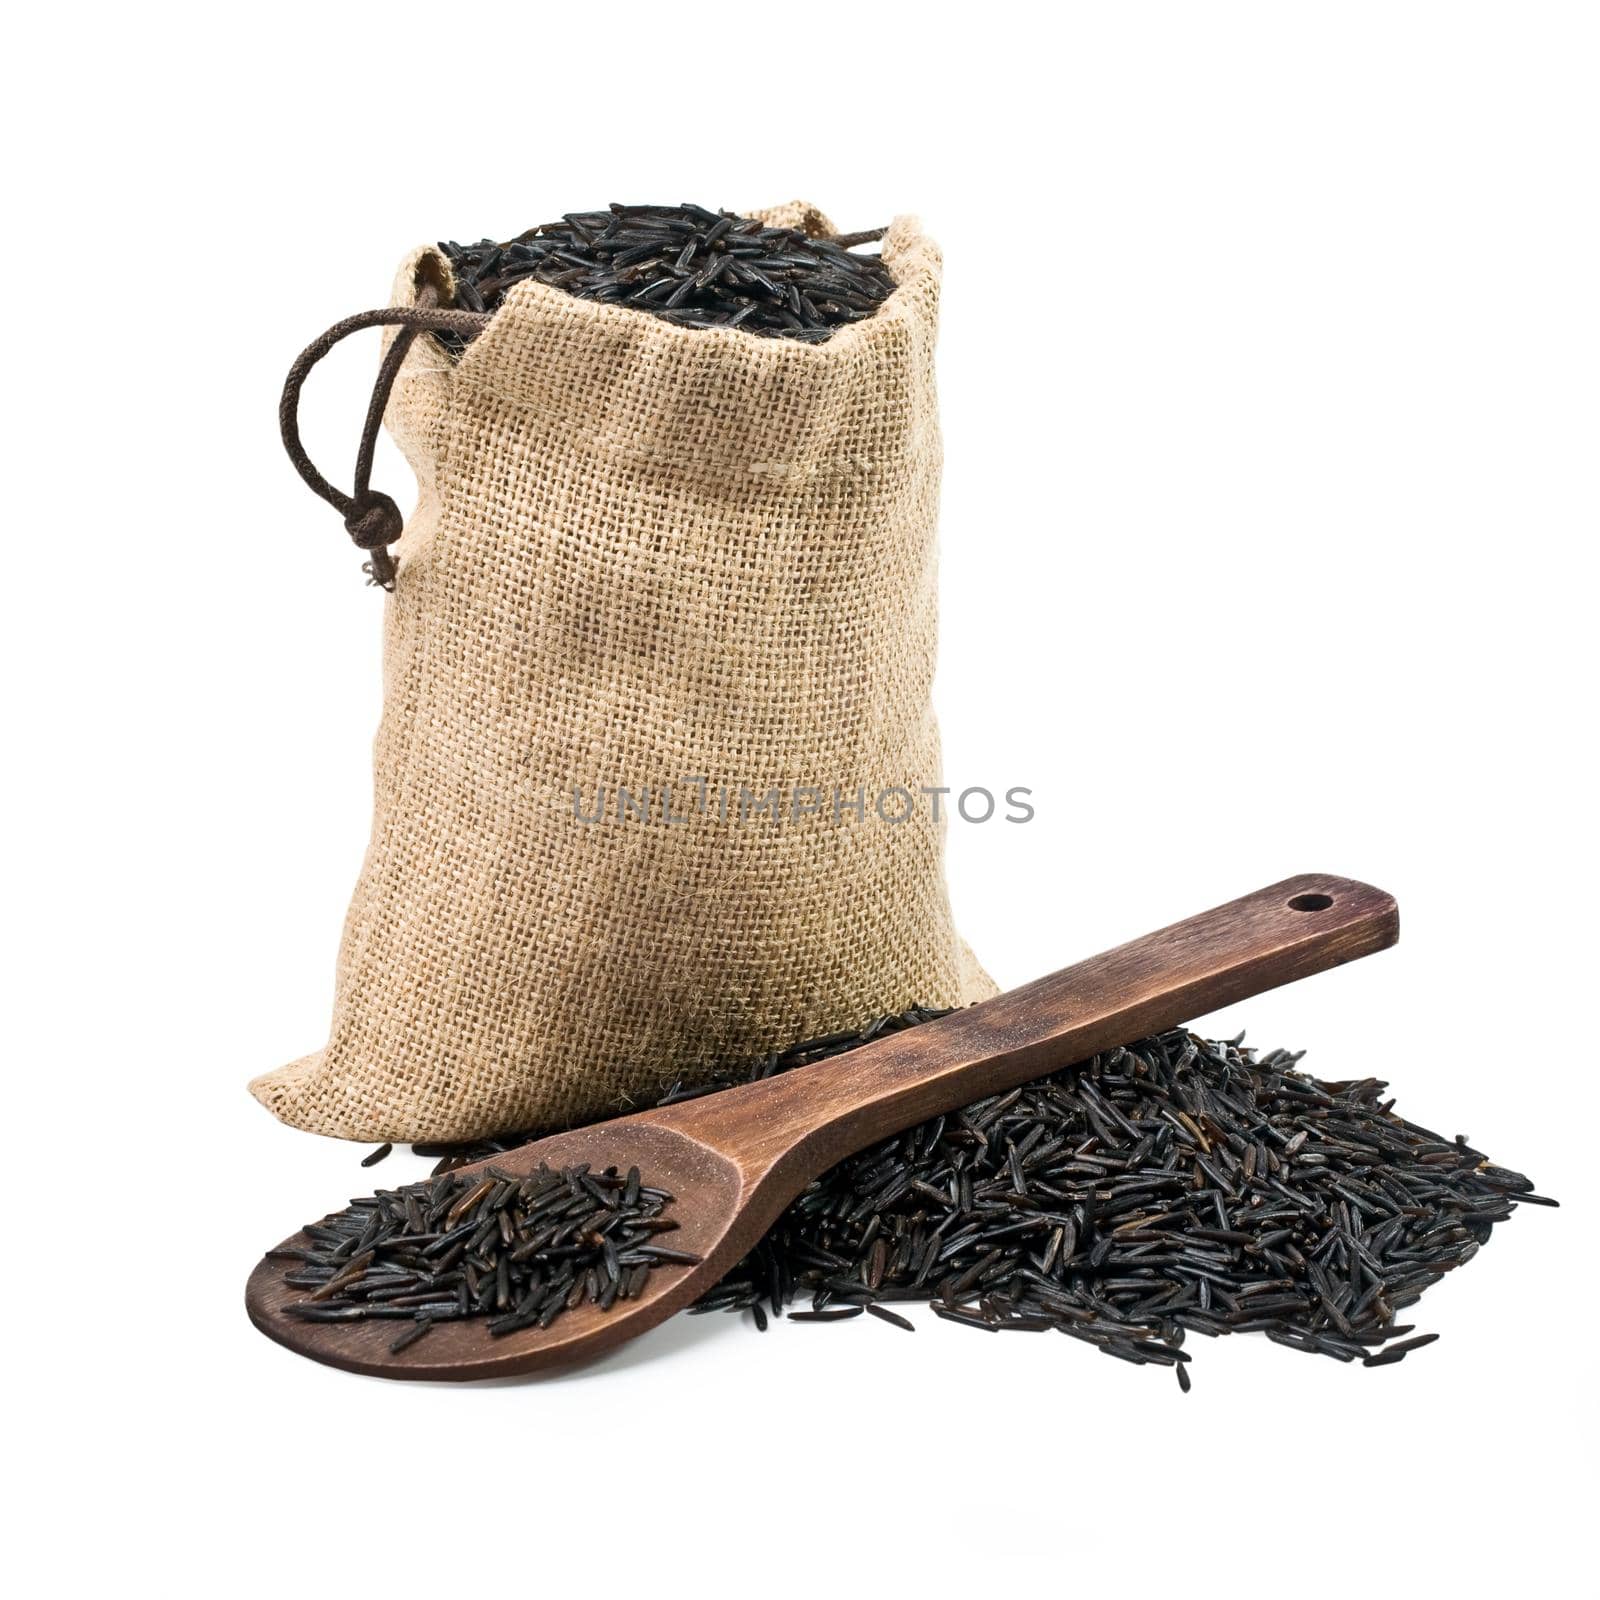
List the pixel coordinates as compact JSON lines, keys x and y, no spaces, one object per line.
{"x":808,"y":1119}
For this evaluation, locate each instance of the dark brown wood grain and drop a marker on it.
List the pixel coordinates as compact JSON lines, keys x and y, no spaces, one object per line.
{"x":735,"y":1160}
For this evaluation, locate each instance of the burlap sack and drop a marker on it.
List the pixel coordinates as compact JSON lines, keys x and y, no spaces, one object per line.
{"x":644,"y":555}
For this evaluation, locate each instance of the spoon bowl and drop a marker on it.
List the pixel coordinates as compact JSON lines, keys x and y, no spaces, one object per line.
{"x":706,"y":1187}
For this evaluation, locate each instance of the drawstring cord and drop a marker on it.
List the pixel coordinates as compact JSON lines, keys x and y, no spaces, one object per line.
{"x":371,"y":518}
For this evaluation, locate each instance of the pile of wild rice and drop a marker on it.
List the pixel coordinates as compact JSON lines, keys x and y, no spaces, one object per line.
{"x":698,"y":268}
{"x":518,"y":1251}
{"x":1174,"y":1186}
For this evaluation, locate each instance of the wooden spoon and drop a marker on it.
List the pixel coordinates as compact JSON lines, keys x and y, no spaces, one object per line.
{"x":734,"y":1160}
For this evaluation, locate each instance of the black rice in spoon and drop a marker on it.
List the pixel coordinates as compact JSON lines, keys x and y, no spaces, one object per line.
{"x":516,"y":1252}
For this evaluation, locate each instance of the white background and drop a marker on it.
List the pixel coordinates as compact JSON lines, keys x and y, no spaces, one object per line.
{"x":1269,"y":378}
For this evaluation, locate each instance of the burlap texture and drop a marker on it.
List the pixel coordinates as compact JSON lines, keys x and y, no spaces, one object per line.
{"x":641,"y":555}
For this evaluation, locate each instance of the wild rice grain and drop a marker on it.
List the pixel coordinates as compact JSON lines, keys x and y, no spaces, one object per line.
{"x":1397,"y":1352}
{"x":892,"y":1317}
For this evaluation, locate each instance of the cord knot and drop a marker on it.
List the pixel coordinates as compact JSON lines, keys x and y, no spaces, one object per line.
{"x":374,"y":521}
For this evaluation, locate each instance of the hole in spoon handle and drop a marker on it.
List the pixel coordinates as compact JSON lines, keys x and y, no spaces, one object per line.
{"x":1310,"y":902}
